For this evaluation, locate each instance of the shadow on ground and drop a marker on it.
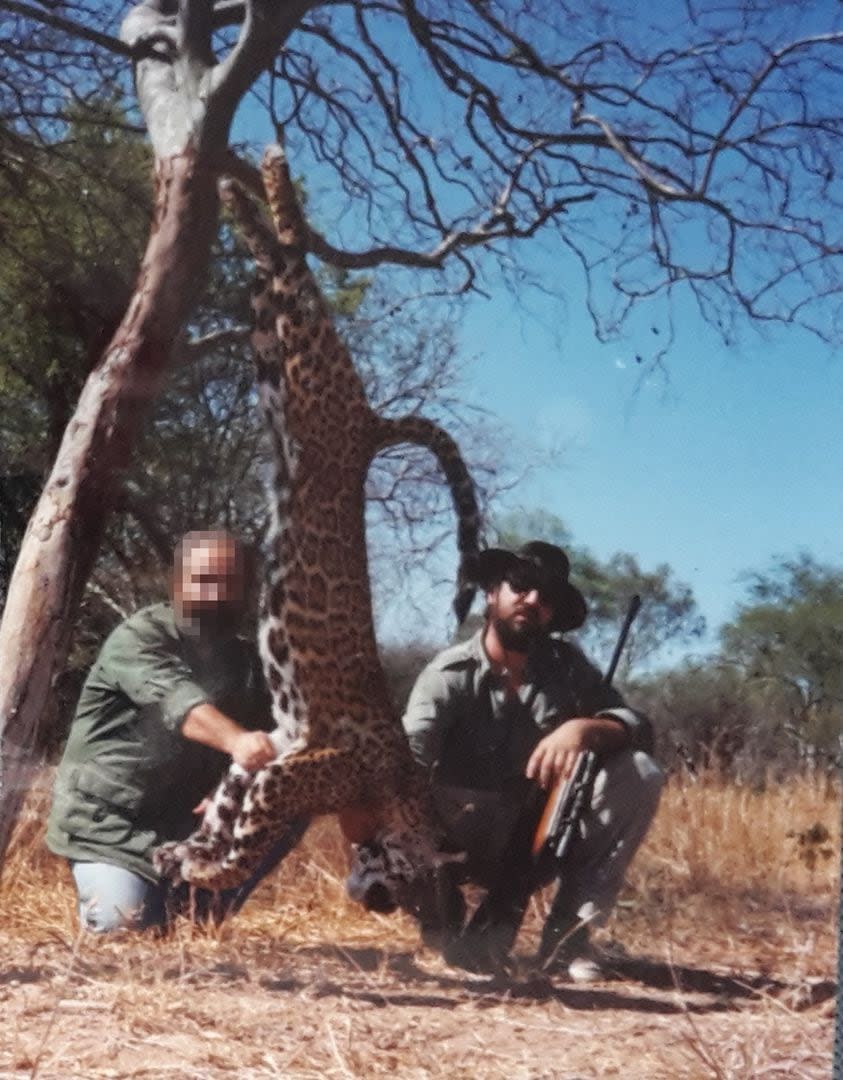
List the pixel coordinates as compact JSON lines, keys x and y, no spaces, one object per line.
{"x":402,"y":980}
{"x":372,"y":975}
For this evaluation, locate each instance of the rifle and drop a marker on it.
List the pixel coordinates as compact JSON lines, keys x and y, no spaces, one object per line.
{"x":491,"y":931}
{"x":570,"y":796}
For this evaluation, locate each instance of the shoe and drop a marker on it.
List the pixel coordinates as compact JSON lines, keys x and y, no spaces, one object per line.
{"x":481,"y":952}
{"x":439,"y":907}
{"x":571,"y":952}
{"x":586,"y":969}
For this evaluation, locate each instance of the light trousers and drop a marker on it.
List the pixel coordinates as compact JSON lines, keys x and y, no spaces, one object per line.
{"x":624,"y":800}
{"x":114,"y":898}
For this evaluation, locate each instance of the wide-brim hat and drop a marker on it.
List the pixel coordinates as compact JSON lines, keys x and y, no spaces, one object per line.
{"x":489,"y":568}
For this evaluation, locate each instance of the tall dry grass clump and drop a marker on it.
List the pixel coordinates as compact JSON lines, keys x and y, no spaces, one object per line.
{"x":716,"y":837}
{"x":740,"y":874}
{"x":35,"y":892}
{"x":304,"y":899}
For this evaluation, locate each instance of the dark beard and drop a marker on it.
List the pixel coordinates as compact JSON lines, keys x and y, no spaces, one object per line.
{"x":212,"y":626}
{"x":519,"y":639}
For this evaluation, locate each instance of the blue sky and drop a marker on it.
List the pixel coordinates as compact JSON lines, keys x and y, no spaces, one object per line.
{"x":729,"y":457}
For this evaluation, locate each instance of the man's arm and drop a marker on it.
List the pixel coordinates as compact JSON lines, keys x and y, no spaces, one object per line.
{"x":605,"y":724}
{"x":205,"y":724}
{"x":145,"y":665}
{"x":428,"y":716}
{"x":554,"y":757}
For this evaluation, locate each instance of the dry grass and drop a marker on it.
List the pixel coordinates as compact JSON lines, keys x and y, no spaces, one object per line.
{"x":725,"y":971}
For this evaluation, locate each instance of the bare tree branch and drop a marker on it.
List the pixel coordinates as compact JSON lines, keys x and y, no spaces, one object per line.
{"x":71,"y":27}
{"x":195,"y":348}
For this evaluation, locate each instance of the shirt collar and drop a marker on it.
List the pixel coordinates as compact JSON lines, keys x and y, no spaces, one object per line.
{"x":538,"y":659}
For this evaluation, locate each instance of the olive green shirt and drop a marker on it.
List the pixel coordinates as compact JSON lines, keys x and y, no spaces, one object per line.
{"x":470,"y":732}
{"x":128,"y":779}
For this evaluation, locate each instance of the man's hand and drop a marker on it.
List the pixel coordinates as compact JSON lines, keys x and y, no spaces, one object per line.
{"x":554,"y":757}
{"x":251,"y":750}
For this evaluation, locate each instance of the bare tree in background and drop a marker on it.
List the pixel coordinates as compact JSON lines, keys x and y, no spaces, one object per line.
{"x":695,"y":155}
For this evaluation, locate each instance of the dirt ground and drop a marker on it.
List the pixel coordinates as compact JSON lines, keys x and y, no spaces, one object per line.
{"x":215,"y":1006}
{"x":703,"y":982}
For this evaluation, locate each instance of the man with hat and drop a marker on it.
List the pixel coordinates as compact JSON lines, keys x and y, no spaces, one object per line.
{"x":504,"y":714}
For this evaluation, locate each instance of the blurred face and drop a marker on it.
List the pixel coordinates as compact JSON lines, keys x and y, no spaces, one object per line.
{"x":519,"y":611}
{"x":209,"y":585}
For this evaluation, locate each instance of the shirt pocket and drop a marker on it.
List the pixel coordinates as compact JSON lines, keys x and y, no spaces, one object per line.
{"x":99,"y":805}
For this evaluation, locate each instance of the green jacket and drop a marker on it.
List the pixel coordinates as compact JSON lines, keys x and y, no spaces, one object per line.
{"x":128,"y":779}
{"x":469,"y":733}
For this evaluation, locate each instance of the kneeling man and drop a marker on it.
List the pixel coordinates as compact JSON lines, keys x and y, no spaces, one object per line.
{"x":173,"y":698}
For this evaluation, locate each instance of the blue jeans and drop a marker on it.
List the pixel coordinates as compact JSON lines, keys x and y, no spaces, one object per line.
{"x":113,"y":898}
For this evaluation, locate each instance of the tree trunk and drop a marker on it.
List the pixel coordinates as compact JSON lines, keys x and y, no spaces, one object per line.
{"x":65,"y":531}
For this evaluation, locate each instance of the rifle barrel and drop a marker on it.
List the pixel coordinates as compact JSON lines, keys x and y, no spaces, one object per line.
{"x":631,"y":612}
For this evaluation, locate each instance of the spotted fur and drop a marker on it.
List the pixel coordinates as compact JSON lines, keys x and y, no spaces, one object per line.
{"x":340,"y":744}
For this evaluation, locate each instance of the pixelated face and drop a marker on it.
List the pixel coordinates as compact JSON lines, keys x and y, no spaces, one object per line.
{"x":209,"y":584}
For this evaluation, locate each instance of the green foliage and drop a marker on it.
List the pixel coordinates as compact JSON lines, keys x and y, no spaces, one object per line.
{"x":787,"y":641}
{"x":18,"y":492}
{"x":770,"y":701}
{"x":668,"y":615}
{"x":345,"y":291}
{"x":74,"y":216}
{"x":72,"y":220}
{"x":705,"y":718}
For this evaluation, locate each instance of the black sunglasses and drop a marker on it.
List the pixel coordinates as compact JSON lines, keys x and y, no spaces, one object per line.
{"x":525,"y":579}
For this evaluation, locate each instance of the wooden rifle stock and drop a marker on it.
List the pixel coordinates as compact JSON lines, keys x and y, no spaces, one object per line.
{"x":564,"y":808}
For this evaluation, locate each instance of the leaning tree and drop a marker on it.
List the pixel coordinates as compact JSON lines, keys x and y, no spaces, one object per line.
{"x":694,"y":151}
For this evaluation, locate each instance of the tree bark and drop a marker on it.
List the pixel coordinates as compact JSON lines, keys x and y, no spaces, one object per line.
{"x":64,"y":533}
